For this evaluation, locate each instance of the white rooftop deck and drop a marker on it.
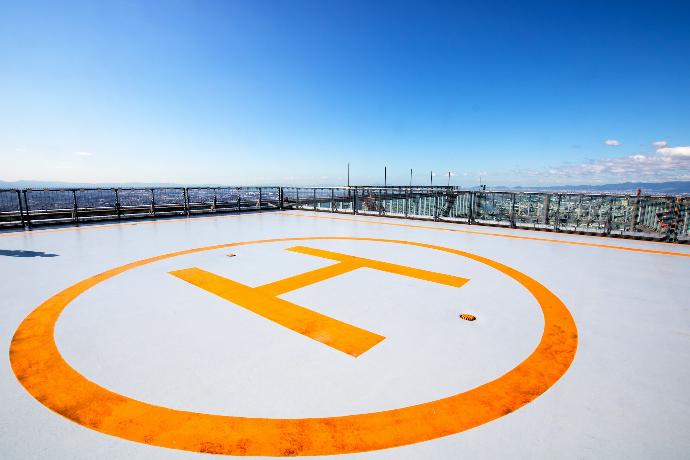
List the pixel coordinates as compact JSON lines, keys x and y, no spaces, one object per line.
{"x":148,"y":336}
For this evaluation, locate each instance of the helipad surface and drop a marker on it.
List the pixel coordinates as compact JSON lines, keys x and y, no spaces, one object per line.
{"x":580,"y":347}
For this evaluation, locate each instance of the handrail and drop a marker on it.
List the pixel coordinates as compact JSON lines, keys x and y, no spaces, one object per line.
{"x":657,"y":217}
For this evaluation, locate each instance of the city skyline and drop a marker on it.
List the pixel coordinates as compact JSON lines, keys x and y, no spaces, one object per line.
{"x":290,"y":93}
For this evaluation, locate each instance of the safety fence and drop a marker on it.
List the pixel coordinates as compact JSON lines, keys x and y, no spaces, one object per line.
{"x":664,"y":218}
{"x":29,"y":208}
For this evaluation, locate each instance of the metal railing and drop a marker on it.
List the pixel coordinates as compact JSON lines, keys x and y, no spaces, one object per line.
{"x":663,"y":218}
{"x":30,"y":207}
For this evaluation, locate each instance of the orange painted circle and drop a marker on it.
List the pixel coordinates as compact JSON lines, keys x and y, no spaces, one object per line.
{"x":44,"y":373}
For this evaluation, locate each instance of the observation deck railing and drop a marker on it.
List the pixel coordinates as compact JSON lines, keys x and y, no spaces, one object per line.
{"x":663,"y":217}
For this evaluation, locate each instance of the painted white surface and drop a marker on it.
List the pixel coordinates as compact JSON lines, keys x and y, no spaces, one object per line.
{"x":156,"y":338}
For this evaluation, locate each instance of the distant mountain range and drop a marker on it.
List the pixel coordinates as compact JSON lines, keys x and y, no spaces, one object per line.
{"x":671,"y":187}
{"x":39,"y":184}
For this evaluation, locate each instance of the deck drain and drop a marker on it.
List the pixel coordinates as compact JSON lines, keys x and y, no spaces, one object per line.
{"x":467,"y":317}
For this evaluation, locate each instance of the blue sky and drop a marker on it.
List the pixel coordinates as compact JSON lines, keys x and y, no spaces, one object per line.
{"x":288,"y":92}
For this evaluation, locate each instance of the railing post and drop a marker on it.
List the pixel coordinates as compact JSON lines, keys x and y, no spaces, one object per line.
{"x":239,"y":199}
{"x":185,"y":197}
{"x":28,"y":209}
{"x":354,"y":202}
{"x":314,"y":199}
{"x":215,"y":201}
{"x":435,"y":205}
{"x":545,"y":207}
{"x":609,"y":219}
{"x":672,"y":229}
{"x":280,"y":198}
{"x":153,"y":203}
{"x":512,"y":210}
{"x":75,"y":214}
{"x":405,"y":201}
{"x":117,"y":203}
{"x":557,"y":220}
{"x":634,"y":213}
{"x":260,"y":207}
{"x":21,"y":208}
{"x":380,"y":202}
{"x":332,"y":200}
{"x":297,"y":205}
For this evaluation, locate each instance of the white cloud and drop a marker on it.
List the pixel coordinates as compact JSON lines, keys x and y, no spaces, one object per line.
{"x":669,"y":163}
{"x":83,"y":154}
{"x":612,"y":142}
{"x":675,"y":151}
{"x":659,"y":144}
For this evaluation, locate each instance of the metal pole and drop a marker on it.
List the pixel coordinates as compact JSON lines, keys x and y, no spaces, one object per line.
{"x":385,"y":176}
{"x":431,"y":178}
{"x":410,"y":177}
{"x":609,"y":220}
{"x":153,"y":202}
{"x":185,"y":196}
{"x":117,"y":203}
{"x":558,"y":211}
{"x":260,"y":199}
{"x":28,"y":210}
{"x":406,"y":204}
{"x":74,"y":207}
{"x":354,"y":202}
{"x":280,"y":197}
{"x":348,"y":174}
{"x":635,"y":210}
{"x":314,"y":199}
{"x":448,"y":179}
{"x":436,"y":206}
{"x":21,"y":208}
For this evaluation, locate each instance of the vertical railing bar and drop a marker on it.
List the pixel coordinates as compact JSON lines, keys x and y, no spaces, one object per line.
{"x":28,"y":210}
{"x":75,"y":211}
{"x":21,"y":208}
{"x":354,"y":201}
{"x":557,"y":220}
{"x":117,"y":203}
{"x":609,"y":220}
